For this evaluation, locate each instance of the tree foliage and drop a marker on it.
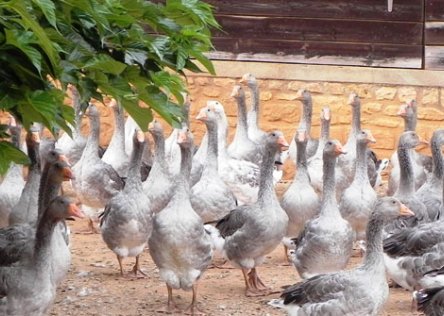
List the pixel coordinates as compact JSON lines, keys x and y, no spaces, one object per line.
{"x":132,"y":50}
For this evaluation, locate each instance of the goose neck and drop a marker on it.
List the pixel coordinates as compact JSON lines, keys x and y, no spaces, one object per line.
{"x":255,"y":98}
{"x":410,"y":123}
{"x":42,"y":247}
{"x":373,"y":256}
{"x":185,"y":171}
{"x":301,"y":160}
{"x":134,"y":180}
{"x":329,"y":203}
{"x":92,"y":144}
{"x":266,"y":190}
{"x":211,"y":159}
{"x":242,"y":127}
{"x":48,"y":190}
{"x":118,"y":138}
{"x":361,"y":162}
{"x":159,"y":154}
{"x":307,"y":111}
{"x":222,"y":129}
{"x":356,"y":116}
{"x":406,"y":180}
{"x":437,"y":159}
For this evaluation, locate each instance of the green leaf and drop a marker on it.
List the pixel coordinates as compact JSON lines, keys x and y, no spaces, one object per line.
{"x":142,"y":116}
{"x":48,"y":9}
{"x":106,"y":64}
{"x":9,"y":153}
{"x":23,"y":41}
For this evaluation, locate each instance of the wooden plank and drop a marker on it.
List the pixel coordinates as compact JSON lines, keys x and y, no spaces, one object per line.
{"x":328,"y":53}
{"x":434,"y":59}
{"x":406,"y":10}
{"x":248,"y":27}
{"x":434,"y":10}
{"x":434,"y":33}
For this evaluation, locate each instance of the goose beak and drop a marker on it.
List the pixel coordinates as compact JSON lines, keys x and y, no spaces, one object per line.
{"x":282,"y":142}
{"x":75,"y":211}
{"x":299,"y":94}
{"x":235,"y":91}
{"x":202,"y":116}
{"x":63,"y":158}
{"x":402,"y":110}
{"x":405,"y":211}
{"x":151,"y":124}
{"x":339,"y":150}
{"x":67,"y":174}
{"x":423,"y":141}
{"x":371,"y":139}
{"x":35,"y":137}
{"x":244,"y":78}
{"x":112,"y":103}
{"x":140,"y":136}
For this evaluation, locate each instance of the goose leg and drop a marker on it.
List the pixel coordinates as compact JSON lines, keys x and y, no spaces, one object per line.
{"x":250,"y":287}
{"x":119,"y":258}
{"x":171,"y":305}
{"x":136,"y":268}
{"x":193,"y":309}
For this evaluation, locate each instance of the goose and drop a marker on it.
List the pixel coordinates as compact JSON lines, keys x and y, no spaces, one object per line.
{"x":16,"y":241}
{"x":358,"y":199}
{"x":210,"y":196}
{"x":314,"y":164}
{"x":25,"y":211}
{"x":430,"y":301}
{"x":359,"y":291}
{"x":126,"y":222}
{"x":159,"y":185}
{"x":115,"y":155}
{"x":408,"y":112}
{"x":305,"y":123}
{"x":172,"y":149}
{"x":325,"y":244}
{"x":96,"y":182}
{"x":430,"y":193}
{"x":300,"y":201}
{"x":242,"y":147}
{"x":73,"y":146}
{"x":147,"y":157}
{"x":13,"y":182}
{"x":406,"y":189}
{"x":241,"y":176}
{"x":254,"y":132}
{"x":380,"y":166}
{"x":252,"y":231}
{"x":179,"y":244}
{"x":27,"y":287}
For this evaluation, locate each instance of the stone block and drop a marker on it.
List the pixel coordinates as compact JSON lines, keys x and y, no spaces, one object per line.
{"x":212,"y":92}
{"x":430,"y":114}
{"x":315,"y":87}
{"x":388,"y":122}
{"x":430,"y":96}
{"x":202,"y":81}
{"x":391,"y":110}
{"x":296,"y":85}
{"x":286,"y":96}
{"x":274,"y":84}
{"x":406,"y":94}
{"x":224,"y":82}
{"x":335,"y":88}
{"x":385,"y":93}
{"x":372,"y":107}
{"x":265,"y":95}
{"x":441,"y":92}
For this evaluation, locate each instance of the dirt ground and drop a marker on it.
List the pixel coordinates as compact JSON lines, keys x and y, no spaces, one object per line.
{"x":94,"y":285}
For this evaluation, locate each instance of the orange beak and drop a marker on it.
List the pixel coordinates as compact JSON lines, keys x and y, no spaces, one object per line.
{"x":423,"y":141}
{"x":339,"y":150}
{"x":63,"y":158}
{"x":326,"y":114}
{"x":243,"y":79}
{"x":405,"y":211}
{"x":151,"y":124}
{"x":75,"y":211}
{"x":282,"y":142}
{"x":371,"y":139}
{"x":67,"y":174}
{"x":299,"y":94}
{"x":202,"y":116}
{"x":235,"y":91}
{"x":112,"y":103}
{"x":140,"y":136}
{"x":402,"y":110}
{"x":35,"y":137}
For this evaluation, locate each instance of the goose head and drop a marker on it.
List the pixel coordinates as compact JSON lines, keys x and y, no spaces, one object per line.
{"x":325,"y":114}
{"x":249,"y":79}
{"x":276,"y":140}
{"x":217,"y":108}
{"x":61,"y":208}
{"x":92,"y":111}
{"x":391,"y":208}
{"x":155,"y":128}
{"x":207,"y":116}
{"x":238,"y":92}
{"x":185,"y":138}
{"x":333,"y":148}
{"x":353,"y":99}
{"x":303,"y":95}
{"x":408,"y":109}
{"x":410,"y":139}
{"x":301,"y":136}
{"x":61,"y":171}
{"x":365,"y":136}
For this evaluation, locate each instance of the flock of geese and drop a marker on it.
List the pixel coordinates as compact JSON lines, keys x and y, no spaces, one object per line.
{"x":189,"y":204}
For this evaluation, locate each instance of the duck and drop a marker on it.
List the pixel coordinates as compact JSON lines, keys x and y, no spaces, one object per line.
{"x":430,"y":193}
{"x":115,"y":155}
{"x":408,"y":111}
{"x":72,"y":146}
{"x":305,"y":123}
{"x":13,"y":182}
{"x":96,"y":182}
{"x":18,"y":295}
{"x":210,"y":197}
{"x":25,"y":211}
{"x":362,"y":290}
{"x":358,"y":199}
{"x":159,"y":185}
{"x":300,"y":201}
{"x":314,"y":164}
{"x":250,"y":232}
{"x":127,"y":221}
{"x":242,"y":147}
{"x":325,"y":244}
{"x":255,"y":133}
{"x":406,"y":189}
{"x":179,"y":244}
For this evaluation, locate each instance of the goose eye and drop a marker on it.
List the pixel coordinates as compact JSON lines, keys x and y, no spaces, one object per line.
{"x":208,"y":110}
{"x":273,"y":134}
{"x":393,"y":202}
{"x":329,"y":143}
